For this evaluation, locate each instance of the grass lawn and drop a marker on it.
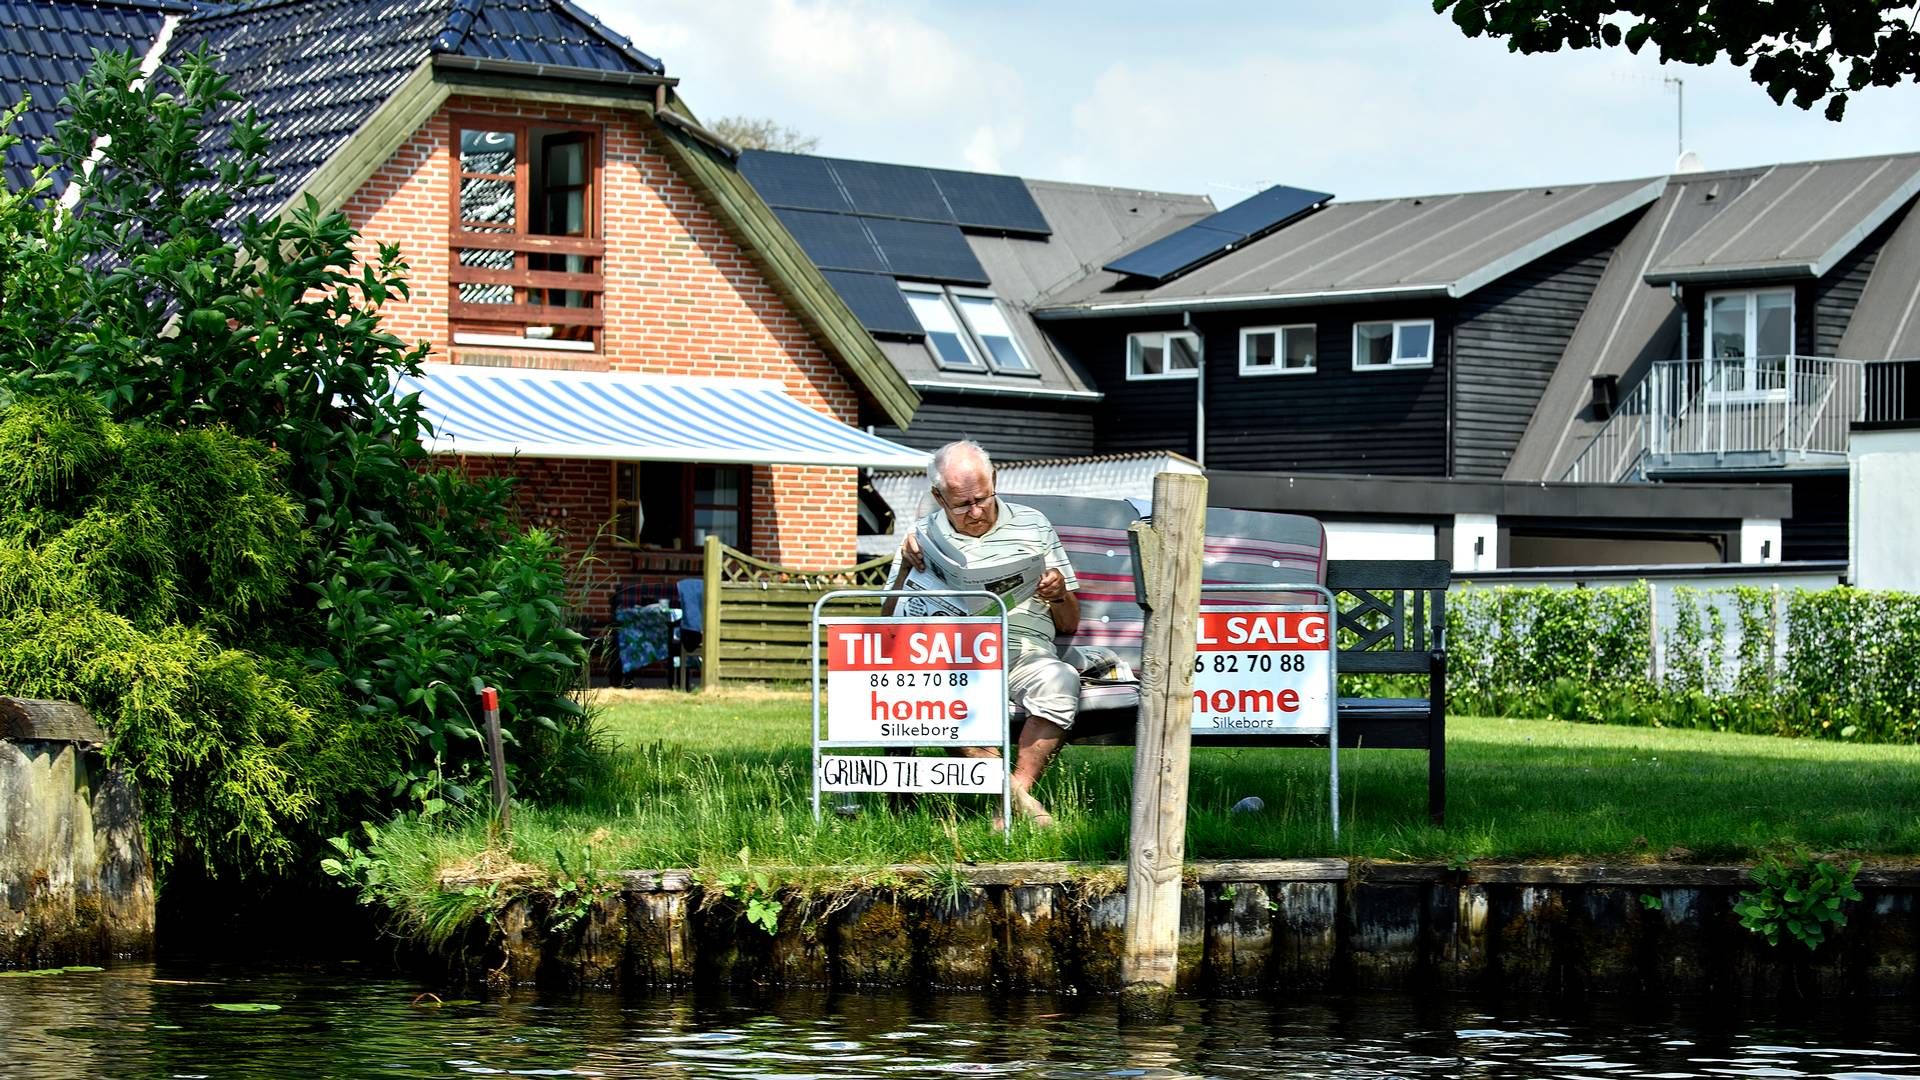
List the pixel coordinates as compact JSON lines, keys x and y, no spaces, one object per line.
{"x":693,"y":779}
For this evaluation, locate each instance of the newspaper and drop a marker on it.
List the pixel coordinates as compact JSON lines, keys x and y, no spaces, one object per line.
{"x":1014,"y":580}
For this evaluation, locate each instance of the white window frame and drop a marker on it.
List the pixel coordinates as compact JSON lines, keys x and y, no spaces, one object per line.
{"x":938,"y":294}
{"x":1398,"y":360}
{"x":1279,"y":365}
{"x":1165,"y":336}
{"x":954,"y":298}
{"x":1750,"y":363}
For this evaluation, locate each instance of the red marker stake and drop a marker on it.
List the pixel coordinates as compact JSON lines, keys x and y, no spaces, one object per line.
{"x":497,"y":755}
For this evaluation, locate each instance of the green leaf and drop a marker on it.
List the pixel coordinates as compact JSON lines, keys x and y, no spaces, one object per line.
{"x":246,"y":1006}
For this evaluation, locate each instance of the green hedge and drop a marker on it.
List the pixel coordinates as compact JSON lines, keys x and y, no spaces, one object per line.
{"x":1837,"y":662}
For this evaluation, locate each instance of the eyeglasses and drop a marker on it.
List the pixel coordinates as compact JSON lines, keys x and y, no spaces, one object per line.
{"x":968,"y":507}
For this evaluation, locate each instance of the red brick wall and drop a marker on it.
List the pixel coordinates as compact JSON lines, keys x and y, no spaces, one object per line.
{"x":682,"y":298}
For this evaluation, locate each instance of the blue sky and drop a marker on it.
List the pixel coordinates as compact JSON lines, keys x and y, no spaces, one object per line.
{"x":1364,"y":98}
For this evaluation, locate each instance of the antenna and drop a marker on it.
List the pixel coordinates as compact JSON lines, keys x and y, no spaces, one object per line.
{"x":1679,"y":112}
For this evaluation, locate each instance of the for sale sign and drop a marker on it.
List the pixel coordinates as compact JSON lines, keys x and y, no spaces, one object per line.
{"x":1264,"y":669}
{"x":935,"y":682}
{"x":966,"y":776}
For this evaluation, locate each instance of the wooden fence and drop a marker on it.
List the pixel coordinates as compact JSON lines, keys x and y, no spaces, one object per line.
{"x":757,"y":614}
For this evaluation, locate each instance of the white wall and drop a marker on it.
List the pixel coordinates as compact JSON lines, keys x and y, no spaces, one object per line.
{"x":1378,"y":540}
{"x":1884,"y":508}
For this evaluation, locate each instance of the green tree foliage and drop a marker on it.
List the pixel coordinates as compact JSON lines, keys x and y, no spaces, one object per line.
{"x":409,"y":586}
{"x":1802,"y":49}
{"x":763,"y":133}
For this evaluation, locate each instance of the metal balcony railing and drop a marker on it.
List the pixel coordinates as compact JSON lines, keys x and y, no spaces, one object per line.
{"x":1745,"y":412}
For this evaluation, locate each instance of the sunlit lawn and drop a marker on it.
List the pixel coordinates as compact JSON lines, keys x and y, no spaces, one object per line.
{"x":695,"y":778}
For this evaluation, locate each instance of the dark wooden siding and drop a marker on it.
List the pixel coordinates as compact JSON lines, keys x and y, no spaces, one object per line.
{"x":1508,"y":338}
{"x":1833,"y":298}
{"x":1333,"y":420}
{"x":1146,"y":415}
{"x":1012,"y":429}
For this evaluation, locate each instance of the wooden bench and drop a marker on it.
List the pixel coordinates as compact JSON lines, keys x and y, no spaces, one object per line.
{"x":1392,"y":621}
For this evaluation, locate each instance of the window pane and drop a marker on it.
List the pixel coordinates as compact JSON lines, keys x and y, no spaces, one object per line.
{"x":1145,"y":355}
{"x":491,"y":152}
{"x":486,"y":259}
{"x":1773,"y":324}
{"x":724,"y":524}
{"x":486,"y":203}
{"x":989,"y":323}
{"x":716,"y":486}
{"x":1416,"y":342}
{"x":1183,"y":352}
{"x":566,"y":161}
{"x":1256,"y":350}
{"x":1727,"y":326}
{"x":1299,"y":348}
{"x":1372,"y":344}
{"x":943,"y":332}
{"x":472,"y":292}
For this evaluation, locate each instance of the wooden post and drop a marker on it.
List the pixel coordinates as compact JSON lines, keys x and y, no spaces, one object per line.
{"x":710,"y":615}
{"x":1168,"y":560}
{"x":497,"y":757}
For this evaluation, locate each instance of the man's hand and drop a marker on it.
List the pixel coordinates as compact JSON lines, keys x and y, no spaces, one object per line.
{"x":1052,"y":587}
{"x":910,"y":552}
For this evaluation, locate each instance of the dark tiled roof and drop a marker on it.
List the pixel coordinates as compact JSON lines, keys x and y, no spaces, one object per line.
{"x":556,"y":33}
{"x":314,"y":71}
{"x":47,"y":45}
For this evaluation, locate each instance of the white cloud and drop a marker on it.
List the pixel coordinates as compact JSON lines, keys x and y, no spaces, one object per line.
{"x":860,"y":74}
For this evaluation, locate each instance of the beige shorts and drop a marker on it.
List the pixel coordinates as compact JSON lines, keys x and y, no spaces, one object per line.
{"x":1045,"y":687}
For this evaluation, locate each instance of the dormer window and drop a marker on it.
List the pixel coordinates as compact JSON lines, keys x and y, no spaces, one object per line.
{"x":526,"y":254}
{"x":1749,"y":341}
{"x":966,"y":329}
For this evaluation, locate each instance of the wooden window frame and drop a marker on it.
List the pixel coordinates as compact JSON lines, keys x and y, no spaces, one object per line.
{"x":625,"y":500}
{"x":480,"y":318}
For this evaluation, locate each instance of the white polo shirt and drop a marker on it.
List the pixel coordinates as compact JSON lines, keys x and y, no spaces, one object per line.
{"x":1017,"y":531}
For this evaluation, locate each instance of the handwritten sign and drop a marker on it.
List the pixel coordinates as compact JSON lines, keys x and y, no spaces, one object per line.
{"x":977,"y":776}
{"x":934,"y":682}
{"x":1262,"y":669}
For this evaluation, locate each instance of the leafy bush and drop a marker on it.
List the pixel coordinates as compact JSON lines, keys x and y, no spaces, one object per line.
{"x":1799,"y":901}
{"x":362,"y":589}
{"x":1835,"y":662}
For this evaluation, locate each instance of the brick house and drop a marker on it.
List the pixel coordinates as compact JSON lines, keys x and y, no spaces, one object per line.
{"x":631,"y":332}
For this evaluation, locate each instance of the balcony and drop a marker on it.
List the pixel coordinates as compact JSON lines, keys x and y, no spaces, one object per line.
{"x":1766,"y":413}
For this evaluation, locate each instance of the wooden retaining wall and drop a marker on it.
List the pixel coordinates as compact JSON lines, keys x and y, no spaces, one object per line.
{"x":75,"y":883}
{"x":1246,"y":928}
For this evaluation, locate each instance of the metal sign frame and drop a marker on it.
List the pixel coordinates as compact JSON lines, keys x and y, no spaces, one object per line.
{"x":1333,"y":671}
{"x":1006,"y":710}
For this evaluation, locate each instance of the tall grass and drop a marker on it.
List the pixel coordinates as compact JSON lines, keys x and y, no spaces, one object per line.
{"x":695,"y":780}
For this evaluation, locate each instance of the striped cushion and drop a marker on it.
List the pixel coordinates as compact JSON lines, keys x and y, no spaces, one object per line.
{"x":1241,"y":546}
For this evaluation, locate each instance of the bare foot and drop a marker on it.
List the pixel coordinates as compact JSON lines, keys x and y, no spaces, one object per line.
{"x":1030,"y":808}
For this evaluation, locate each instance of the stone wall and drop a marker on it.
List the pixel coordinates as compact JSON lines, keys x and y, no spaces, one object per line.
{"x":75,"y":883}
{"x":1246,"y":928}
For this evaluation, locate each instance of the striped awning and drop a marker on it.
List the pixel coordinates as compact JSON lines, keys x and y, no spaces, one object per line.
{"x":498,"y":412}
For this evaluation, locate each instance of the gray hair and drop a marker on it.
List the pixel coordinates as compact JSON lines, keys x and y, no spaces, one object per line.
{"x":937,"y":468}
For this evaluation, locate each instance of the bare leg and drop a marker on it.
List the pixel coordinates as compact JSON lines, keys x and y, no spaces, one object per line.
{"x":1039,"y":740}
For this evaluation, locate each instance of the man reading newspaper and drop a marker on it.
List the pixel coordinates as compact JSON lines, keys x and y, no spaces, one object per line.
{"x":985,"y":542}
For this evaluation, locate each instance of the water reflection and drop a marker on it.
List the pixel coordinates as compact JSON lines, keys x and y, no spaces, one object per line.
{"x":162,"y":1022}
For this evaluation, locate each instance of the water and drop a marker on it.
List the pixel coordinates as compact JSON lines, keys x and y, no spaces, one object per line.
{"x":146,"y":1021}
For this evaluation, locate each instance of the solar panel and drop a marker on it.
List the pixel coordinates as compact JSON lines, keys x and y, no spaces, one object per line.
{"x":796,"y":181}
{"x":926,"y":252}
{"x":1210,"y":236}
{"x":833,"y":241}
{"x":984,"y":201}
{"x":1169,"y":255}
{"x":1269,"y":209}
{"x":901,"y":191}
{"x":876,"y":301}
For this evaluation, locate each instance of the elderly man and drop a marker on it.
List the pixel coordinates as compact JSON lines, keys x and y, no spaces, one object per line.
{"x":979,"y":523}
